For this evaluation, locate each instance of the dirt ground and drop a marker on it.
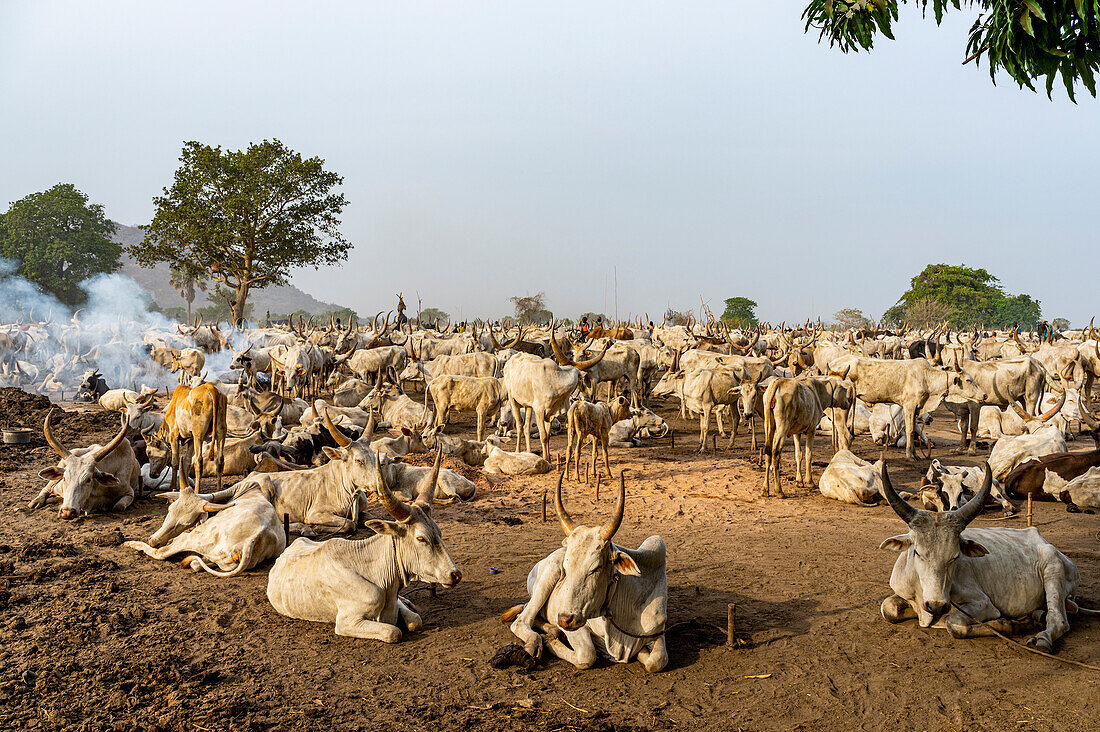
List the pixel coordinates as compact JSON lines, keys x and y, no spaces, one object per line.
{"x":94,"y":636}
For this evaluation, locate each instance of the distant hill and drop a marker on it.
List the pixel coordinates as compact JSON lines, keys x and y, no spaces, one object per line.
{"x":283,"y":299}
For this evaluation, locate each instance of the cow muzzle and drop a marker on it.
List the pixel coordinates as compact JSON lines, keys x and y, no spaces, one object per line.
{"x":569,"y":621}
{"x":455,"y":578}
{"x":67,"y":514}
{"x":937,"y":609}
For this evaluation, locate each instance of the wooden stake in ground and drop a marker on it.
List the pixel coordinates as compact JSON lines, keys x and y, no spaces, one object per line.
{"x":544,"y":490}
{"x":672,"y":438}
{"x":1029,"y":495}
{"x":597,"y":482}
{"x":731,"y":618}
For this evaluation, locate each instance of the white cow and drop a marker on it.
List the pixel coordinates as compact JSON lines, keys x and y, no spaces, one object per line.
{"x":960,"y":578}
{"x":234,"y":536}
{"x":355,"y":584}
{"x":595,"y":599}
{"x":851,"y":479}
{"x":1083,"y":491}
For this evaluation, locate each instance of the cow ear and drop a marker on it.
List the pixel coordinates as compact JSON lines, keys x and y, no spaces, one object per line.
{"x":334,"y":453}
{"x":972,"y":548}
{"x":381,"y":527}
{"x":897,"y":543}
{"x":51,"y":473}
{"x":106,"y":479}
{"x":168,"y":496}
{"x":215,"y":507}
{"x":625,"y":564}
{"x":407,"y":432}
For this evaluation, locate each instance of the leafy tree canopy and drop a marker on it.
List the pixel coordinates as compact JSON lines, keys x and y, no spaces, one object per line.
{"x":1060,"y":324}
{"x":1027,"y":39}
{"x":434,"y":317}
{"x":740,"y":312}
{"x":245,"y":218}
{"x":59,"y":240}
{"x":531,"y":308}
{"x":969,"y":296}
{"x":851,"y":318}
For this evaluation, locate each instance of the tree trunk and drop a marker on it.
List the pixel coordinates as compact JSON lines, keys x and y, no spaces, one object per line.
{"x":241,"y":296}
{"x":189,"y":301}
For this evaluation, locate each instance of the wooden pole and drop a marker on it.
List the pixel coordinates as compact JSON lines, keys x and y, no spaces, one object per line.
{"x":731,"y":623}
{"x":544,"y":492}
{"x":1029,"y":496}
{"x":286,"y":528}
{"x":597,"y":482}
{"x":672,"y":437}
{"x":714,"y":442}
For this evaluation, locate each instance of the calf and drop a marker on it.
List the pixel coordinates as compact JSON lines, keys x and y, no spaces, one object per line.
{"x":501,"y":462}
{"x":641,"y":423}
{"x":235,"y":536}
{"x":397,"y":408}
{"x":587,"y":420}
{"x":604,"y":599}
{"x":355,"y":584}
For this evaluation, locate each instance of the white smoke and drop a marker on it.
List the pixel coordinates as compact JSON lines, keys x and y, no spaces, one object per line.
{"x":112,"y":333}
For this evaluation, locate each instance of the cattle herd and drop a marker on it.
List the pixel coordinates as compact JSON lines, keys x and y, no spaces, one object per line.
{"x":295,"y":414}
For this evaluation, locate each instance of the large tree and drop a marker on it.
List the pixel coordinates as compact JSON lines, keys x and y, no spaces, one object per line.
{"x":59,"y":240}
{"x":741,"y":312}
{"x":849,"y":318}
{"x":531,"y":308}
{"x":245,"y":218}
{"x":1027,"y":39}
{"x":969,"y":296}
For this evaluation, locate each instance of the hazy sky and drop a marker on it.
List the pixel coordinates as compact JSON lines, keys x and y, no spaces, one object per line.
{"x":500,"y":148}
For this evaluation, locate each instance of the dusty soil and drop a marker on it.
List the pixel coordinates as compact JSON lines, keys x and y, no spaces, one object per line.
{"x":93,"y":636}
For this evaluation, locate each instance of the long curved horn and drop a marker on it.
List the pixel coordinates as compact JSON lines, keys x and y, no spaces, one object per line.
{"x":1086,"y":416}
{"x":745,"y":349}
{"x":904,"y":511}
{"x":585,"y":365}
{"x":516,"y":340}
{"x":107,"y":449}
{"x":336,"y":434}
{"x":493,"y":338}
{"x":608,"y":530}
{"x":969,"y":511}
{"x":47,"y":432}
{"x":374,"y":323}
{"x":567,"y":523}
{"x":562,"y":358}
{"x":1049,"y":414}
{"x":427,"y":493}
{"x":391,"y":503}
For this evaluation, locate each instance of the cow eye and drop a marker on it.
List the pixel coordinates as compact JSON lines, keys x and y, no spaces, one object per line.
{"x":422,"y":540}
{"x":915,"y":554}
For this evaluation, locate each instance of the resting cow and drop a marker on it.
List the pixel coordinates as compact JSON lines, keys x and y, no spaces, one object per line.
{"x":90,"y":479}
{"x":608,"y":601}
{"x":355,"y":584}
{"x":234,"y":536}
{"x":1006,"y":578}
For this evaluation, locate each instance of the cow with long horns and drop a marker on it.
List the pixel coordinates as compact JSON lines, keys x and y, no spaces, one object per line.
{"x":592,"y":598}
{"x":90,"y":479}
{"x":355,"y":584}
{"x":975,"y":581}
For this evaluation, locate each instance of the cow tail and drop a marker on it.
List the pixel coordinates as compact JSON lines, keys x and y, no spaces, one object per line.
{"x":511,"y":614}
{"x":242,"y":564}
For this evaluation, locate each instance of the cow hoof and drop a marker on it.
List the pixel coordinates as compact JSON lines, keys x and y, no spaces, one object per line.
{"x":1072,"y":508}
{"x":1039,"y":642}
